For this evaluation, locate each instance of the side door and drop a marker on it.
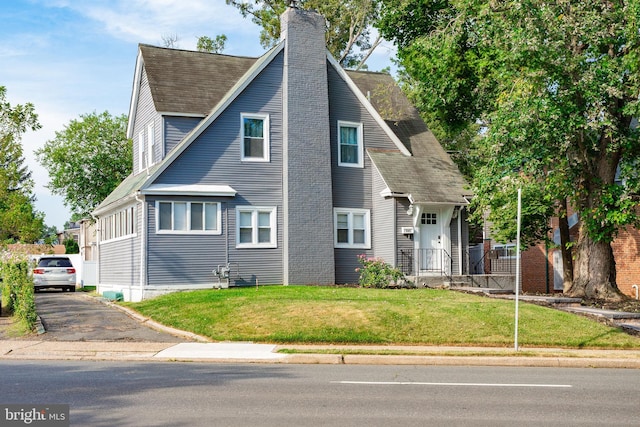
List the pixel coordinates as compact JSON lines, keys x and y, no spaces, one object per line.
{"x":430,"y":258}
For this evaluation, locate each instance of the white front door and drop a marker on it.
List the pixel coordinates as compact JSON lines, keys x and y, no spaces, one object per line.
{"x":430,"y":258}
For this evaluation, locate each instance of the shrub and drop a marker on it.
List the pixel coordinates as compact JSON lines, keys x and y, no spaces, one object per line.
{"x":71,"y":246}
{"x":17,"y":288}
{"x":375,"y":273}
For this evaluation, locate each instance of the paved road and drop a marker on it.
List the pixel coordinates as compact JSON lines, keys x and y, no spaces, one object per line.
{"x":79,"y":317}
{"x":197,"y":394}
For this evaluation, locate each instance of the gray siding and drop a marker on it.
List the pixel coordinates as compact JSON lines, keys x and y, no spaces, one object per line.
{"x":120,"y":259}
{"x":183,"y":259}
{"x":456,"y":242}
{"x":145,"y":114}
{"x":383,"y":225}
{"x":346,"y":264}
{"x":404,"y":243}
{"x":175,"y":128}
{"x":352,"y":187}
{"x":465,"y":240}
{"x":120,"y":262}
{"x":214,"y":159}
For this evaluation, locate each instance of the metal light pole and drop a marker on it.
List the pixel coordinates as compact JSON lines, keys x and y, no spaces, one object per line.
{"x":518,"y":266}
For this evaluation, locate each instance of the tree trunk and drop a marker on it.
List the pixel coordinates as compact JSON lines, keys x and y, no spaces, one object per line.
{"x":594,"y":274}
{"x":565,"y":239}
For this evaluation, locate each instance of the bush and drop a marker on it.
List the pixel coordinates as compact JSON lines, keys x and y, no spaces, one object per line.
{"x":71,"y":247}
{"x":17,"y":288}
{"x":375,"y":273}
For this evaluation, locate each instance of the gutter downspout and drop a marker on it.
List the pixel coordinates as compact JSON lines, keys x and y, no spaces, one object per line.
{"x":143,"y":246}
{"x":226,"y":230}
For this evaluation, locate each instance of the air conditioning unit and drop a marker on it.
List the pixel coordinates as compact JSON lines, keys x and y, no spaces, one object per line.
{"x":406,"y":230}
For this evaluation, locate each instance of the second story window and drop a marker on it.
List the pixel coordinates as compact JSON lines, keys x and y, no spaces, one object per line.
{"x":350,"y":144}
{"x":142,"y":151}
{"x":255,"y":137}
{"x":151,"y":144}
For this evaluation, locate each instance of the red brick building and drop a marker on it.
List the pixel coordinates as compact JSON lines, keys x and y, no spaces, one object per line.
{"x":541,"y":265}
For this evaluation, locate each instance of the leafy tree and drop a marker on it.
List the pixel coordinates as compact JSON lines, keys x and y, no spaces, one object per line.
{"x":207,"y":44}
{"x":71,"y":246}
{"x":49,"y":235}
{"x":87,"y":160}
{"x":348,"y":25}
{"x":18,"y":218}
{"x":553,"y":87}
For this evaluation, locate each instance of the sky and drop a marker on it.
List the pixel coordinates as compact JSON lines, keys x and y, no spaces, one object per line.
{"x":74,"y":57}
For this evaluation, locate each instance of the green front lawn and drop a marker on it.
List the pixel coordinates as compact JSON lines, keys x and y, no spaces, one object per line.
{"x":301,"y":314}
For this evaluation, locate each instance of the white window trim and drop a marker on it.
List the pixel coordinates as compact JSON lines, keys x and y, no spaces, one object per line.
{"x":266,"y":137}
{"x":358,"y":126}
{"x":254,"y":210}
{"x":126,"y":219}
{"x":505,"y":247}
{"x":216,"y":232}
{"x":141,"y":150}
{"x":151,"y":142}
{"x":367,"y":228}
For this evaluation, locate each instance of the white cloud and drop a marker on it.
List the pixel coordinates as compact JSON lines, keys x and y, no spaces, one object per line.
{"x":147,"y":21}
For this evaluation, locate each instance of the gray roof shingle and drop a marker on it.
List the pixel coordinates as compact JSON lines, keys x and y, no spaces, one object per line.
{"x":193,"y":83}
{"x":430,"y":176}
{"x":189,"y":82}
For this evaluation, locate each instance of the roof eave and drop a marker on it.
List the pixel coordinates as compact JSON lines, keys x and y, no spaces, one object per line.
{"x":114,"y":205}
{"x":134,"y":93}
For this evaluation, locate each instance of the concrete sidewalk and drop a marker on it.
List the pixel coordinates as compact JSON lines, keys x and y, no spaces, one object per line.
{"x":314,"y":354}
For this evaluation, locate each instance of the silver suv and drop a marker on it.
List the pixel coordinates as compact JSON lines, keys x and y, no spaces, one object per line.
{"x":54,"y":272}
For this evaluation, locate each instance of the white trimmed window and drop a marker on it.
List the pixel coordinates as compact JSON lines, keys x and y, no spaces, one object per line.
{"x":352,"y":228}
{"x":255,"y":137}
{"x":118,"y":225}
{"x":151,"y":144}
{"x":142,"y":151}
{"x":188,"y":217}
{"x":256,"y":227}
{"x":505,"y":250}
{"x":350,"y":144}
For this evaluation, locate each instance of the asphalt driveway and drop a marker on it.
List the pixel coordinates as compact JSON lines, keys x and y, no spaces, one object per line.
{"x":79,"y":317}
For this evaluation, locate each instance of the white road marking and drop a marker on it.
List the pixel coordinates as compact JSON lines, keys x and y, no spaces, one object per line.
{"x":451,"y":384}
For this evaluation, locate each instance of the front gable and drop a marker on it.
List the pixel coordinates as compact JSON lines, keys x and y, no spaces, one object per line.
{"x":214,"y":157}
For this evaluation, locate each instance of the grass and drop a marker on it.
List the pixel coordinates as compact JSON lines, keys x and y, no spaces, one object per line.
{"x":18,"y":328}
{"x":308,"y":315}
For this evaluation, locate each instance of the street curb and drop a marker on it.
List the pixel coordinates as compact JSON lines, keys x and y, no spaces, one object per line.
{"x":547,"y":362}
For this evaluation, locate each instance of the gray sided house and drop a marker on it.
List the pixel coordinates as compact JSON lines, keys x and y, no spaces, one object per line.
{"x":275,"y":170}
